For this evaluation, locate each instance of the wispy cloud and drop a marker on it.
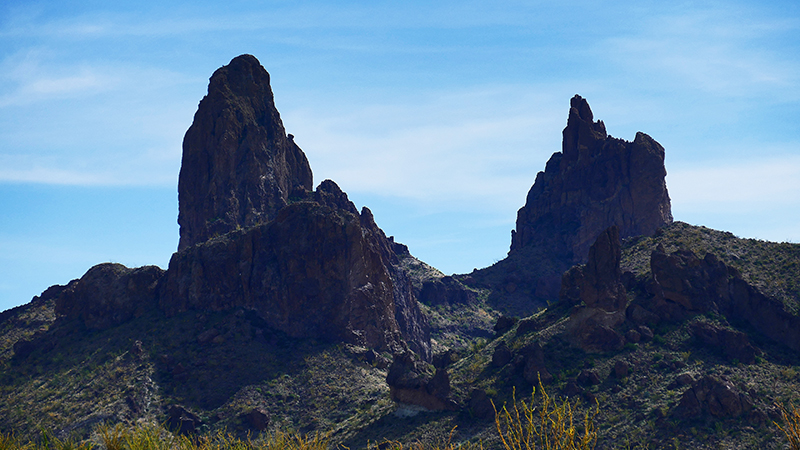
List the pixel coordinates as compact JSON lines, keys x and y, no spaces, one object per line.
{"x":722,"y":51}
{"x":26,"y":79}
{"x":448,"y":149}
{"x":752,"y":186}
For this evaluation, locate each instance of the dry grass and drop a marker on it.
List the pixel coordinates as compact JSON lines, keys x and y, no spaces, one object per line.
{"x":544,"y":421}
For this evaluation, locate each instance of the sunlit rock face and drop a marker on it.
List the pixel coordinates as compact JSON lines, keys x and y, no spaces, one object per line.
{"x":253,"y":234}
{"x":595,"y":182}
{"x":239,"y":166}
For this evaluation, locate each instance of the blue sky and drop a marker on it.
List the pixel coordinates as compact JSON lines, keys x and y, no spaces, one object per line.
{"x":437,"y":117}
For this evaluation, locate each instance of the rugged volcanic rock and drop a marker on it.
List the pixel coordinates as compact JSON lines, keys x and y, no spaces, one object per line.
{"x":715,"y":396}
{"x":109,"y":294}
{"x":598,"y":283}
{"x":733,"y":344}
{"x":595,"y":181}
{"x":239,"y":167}
{"x":598,"y":289}
{"x":684,"y":284}
{"x":414,"y":382}
{"x":254,"y":236}
{"x":318,"y":270}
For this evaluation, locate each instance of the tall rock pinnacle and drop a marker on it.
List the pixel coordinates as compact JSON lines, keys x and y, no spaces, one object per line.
{"x":595,"y":182}
{"x":239,"y":166}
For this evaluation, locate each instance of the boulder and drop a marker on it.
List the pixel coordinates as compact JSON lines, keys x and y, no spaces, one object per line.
{"x":239,"y":167}
{"x":534,"y":369}
{"x":182,"y":421}
{"x":415,"y":382}
{"x":733,"y":344}
{"x":480,"y":405}
{"x":256,"y":418}
{"x":504,"y":323}
{"x":621,"y":369}
{"x":714,"y":396}
{"x":502,"y":355}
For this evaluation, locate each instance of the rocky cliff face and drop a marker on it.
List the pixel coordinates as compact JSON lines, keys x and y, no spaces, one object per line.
{"x":239,"y":166}
{"x":109,"y":294}
{"x":314,"y":271}
{"x":600,"y":298}
{"x":596,"y":181}
{"x":254,"y":236}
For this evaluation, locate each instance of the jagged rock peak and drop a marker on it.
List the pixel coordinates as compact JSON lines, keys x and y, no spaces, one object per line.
{"x":581,"y":130}
{"x":239,"y":166}
{"x":595,"y":182}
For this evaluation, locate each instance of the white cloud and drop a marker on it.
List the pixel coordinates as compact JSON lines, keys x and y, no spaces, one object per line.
{"x":478,"y":148}
{"x":27,"y":78}
{"x":723,"y":51}
{"x":753,"y":186}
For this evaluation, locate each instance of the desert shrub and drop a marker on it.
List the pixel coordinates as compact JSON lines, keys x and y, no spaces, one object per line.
{"x":791,"y":426}
{"x":547,"y":422}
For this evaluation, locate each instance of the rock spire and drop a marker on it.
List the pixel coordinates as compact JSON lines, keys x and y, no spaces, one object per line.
{"x":239,"y":166}
{"x":596,"y":181}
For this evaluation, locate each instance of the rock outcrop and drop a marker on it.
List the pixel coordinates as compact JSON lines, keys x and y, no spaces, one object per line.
{"x":109,"y":294}
{"x":684,"y":285}
{"x":598,"y":283}
{"x":600,"y":297}
{"x":731,"y":343}
{"x":714,"y":396}
{"x":415,"y":382}
{"x":254,"y":236}
{"x":239,"y":166}
{"x":596,"y":181}
{"x":317,"y":270}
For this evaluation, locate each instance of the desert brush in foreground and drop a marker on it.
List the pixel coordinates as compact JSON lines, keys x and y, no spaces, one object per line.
{"x":791,"y":426}
{"x":548,"y":422}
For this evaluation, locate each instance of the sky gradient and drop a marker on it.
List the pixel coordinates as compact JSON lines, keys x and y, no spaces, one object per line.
{"x":435,"y":117}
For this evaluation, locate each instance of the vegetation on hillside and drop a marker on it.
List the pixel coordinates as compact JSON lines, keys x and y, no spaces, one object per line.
{"x":220,"y":365}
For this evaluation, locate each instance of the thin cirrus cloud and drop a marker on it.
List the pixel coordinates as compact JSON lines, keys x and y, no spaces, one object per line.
{"x":754,"y":185}
{"x":453,"y":149}
{"x":718,"y":51}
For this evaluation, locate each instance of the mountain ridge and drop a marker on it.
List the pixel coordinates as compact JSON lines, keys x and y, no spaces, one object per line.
{"x":291,"y":306}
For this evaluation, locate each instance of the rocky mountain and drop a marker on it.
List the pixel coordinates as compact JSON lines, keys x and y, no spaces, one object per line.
{"x":254,"y":236}
{"x":595,"y":182}
{"x":287,"y":308}
{"x":239,"y":167}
